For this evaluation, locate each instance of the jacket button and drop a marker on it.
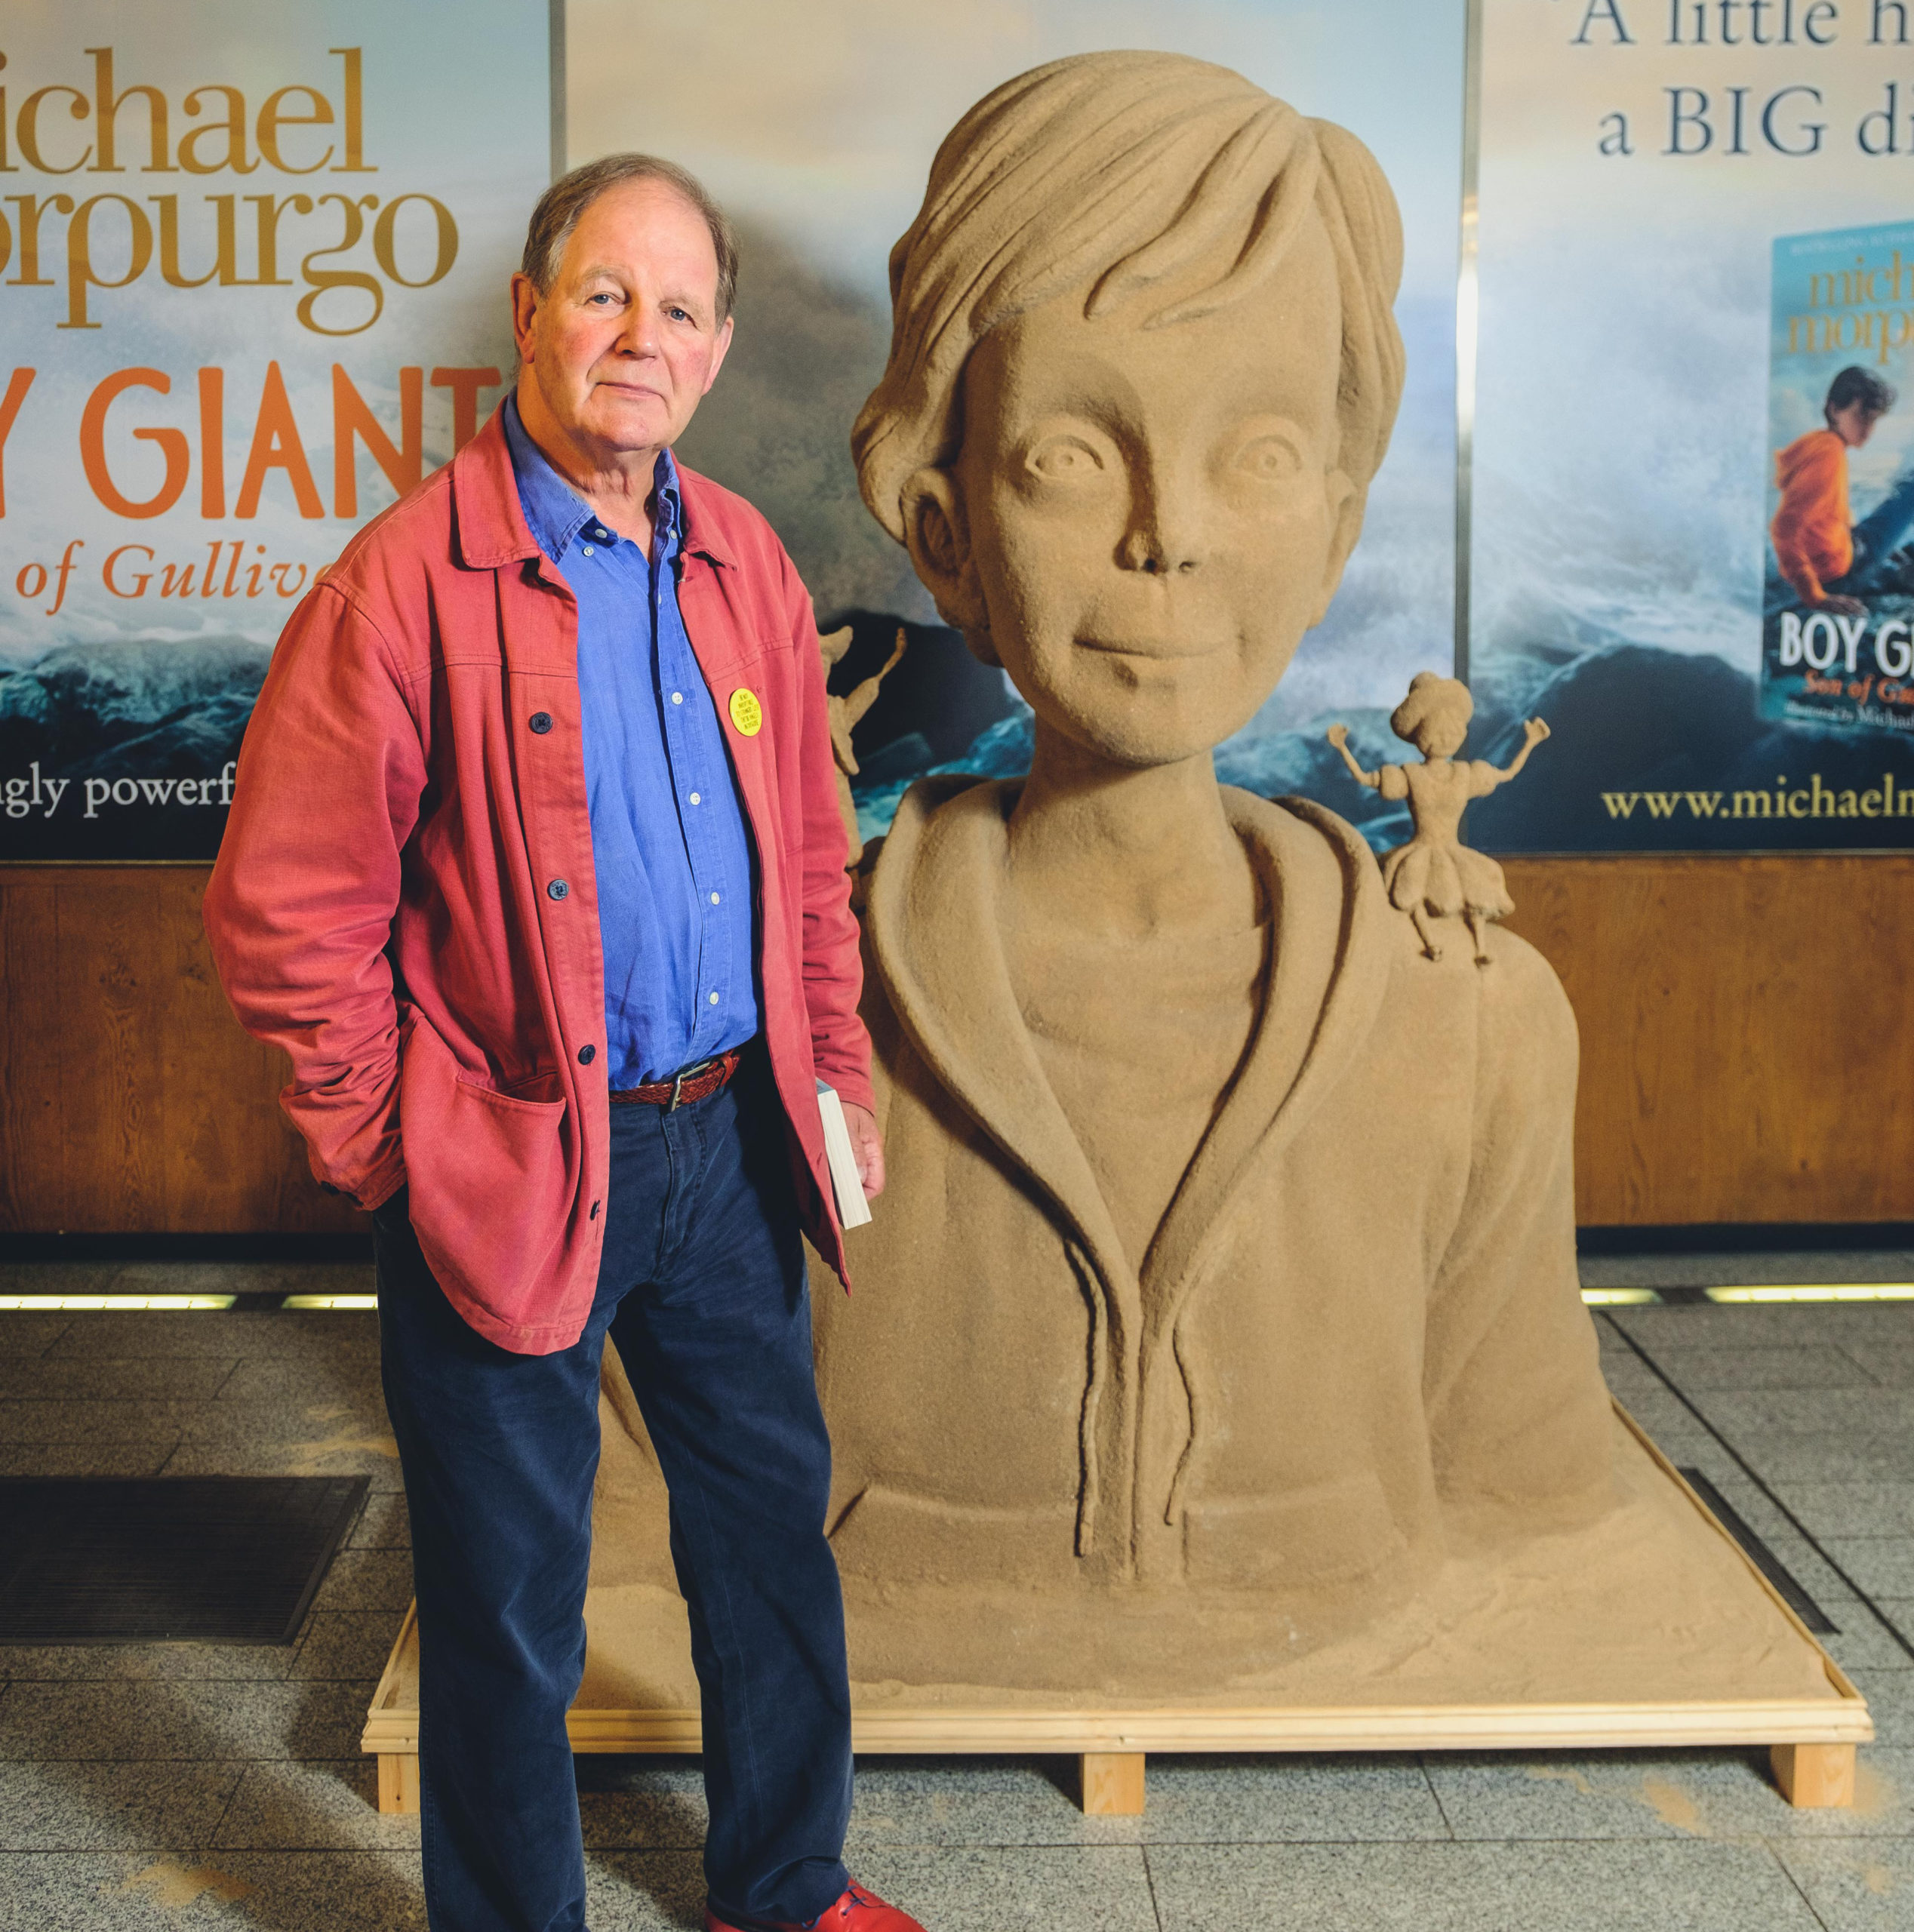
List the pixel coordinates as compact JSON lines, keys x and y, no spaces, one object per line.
{"x":586,"y":1055}
{"x":540,"y":721}
{"x":558,"y":889}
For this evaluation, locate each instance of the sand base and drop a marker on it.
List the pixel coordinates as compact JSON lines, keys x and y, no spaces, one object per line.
{"x":1653,"y":1605}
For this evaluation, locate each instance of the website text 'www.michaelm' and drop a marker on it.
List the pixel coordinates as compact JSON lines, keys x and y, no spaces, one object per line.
{"x":1813,"y":800}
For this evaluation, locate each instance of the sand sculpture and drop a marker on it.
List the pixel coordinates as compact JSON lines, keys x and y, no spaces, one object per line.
{"x":845,"y":713}
{"x":1435,"y":875}
{"x":1220,"y":1327}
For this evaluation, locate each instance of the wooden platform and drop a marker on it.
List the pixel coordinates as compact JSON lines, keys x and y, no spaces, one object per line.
{"x":1811,"y":1740}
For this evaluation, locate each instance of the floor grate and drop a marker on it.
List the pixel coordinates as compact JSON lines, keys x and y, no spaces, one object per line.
{"x":207,"y":1559}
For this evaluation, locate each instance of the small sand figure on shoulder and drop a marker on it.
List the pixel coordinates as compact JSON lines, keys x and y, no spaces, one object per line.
{"x":1435,"y":873}
{"x":845,"y":713}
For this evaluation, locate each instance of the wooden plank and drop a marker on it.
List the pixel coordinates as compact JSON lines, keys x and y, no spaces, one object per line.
{"x":111,"y":1013}
{"x":1111,"y":1783}
{"x":111,"y":1061}
{"x":1815,"y":1777}
{"x":398,"y":1783}
{"x":983,"y":1729}
{"x":32,"y":1126}
{"x":1738,"y":1016}
{"x":392,"y":1724}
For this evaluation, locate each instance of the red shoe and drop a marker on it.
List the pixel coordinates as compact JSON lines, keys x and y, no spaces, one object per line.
{"x":856,"y":1911}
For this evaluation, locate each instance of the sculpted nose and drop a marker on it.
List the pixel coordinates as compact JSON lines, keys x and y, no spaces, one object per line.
{"x":1163,"y":541}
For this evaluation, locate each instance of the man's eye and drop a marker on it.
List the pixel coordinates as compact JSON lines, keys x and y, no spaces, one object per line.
{"x":1065,"y":459}
{"x":1270,"y":459}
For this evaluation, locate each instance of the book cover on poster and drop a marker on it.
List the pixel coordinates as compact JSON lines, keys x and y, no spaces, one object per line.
{"x":1838,"y":602}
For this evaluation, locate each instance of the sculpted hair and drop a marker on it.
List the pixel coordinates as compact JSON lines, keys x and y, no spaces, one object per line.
{"x":563,"y":204}
{"x":1145,"y":176}
{"x":1432,"y":700}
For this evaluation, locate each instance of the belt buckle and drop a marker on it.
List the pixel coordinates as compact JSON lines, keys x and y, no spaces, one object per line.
{"x":677,"y":1088}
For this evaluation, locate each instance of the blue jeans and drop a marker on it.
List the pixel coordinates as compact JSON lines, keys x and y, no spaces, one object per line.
{"x":703,"y":1291}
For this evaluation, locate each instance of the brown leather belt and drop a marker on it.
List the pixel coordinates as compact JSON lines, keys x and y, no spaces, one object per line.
{"x":693,"y":1083}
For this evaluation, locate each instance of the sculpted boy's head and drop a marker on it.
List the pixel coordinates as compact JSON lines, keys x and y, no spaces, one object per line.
{"x":1142,"y":368}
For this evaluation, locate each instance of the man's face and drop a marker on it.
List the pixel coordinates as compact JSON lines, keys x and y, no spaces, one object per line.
{"x":1852,"y":422}
{"x":1154,"y":517}
{"x":626,"y":342}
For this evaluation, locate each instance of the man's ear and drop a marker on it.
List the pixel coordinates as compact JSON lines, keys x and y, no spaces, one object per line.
{"x":1346,"y":504}
{"x":937,"y":537}
{"x":721,"y":348}
{"x":524,"y":310}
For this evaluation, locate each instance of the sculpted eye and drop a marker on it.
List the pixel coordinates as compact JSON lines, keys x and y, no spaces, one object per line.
{"x":1270,"y":459}
{"x":1064,"y":460}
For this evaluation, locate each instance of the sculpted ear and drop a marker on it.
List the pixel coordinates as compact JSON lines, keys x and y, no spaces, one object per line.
{"x":938,"y":539}
{"x":1346,"y":504}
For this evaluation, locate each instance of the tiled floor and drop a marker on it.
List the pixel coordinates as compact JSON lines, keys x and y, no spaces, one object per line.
{"x":182,"y":1786}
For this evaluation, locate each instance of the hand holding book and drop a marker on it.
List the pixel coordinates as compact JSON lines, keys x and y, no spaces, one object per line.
{"x":855,"y":1150}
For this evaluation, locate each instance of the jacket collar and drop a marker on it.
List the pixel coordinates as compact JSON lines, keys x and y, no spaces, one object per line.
{"x":487,"y":517}
{"x":490,"y":520}
{"x":699,"y":499}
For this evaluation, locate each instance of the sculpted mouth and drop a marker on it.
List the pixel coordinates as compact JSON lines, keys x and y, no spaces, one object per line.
{"x":1163,"y":649}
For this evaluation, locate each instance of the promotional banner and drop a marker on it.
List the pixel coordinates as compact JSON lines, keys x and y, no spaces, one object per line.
{"x":816,"y":128}
{"x":1693,"y":443}
{"x":253,"y":261}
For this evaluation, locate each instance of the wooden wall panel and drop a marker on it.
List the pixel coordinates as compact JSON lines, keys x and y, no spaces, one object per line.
{"x":1747,"y":1045}
{"x":130,"y":1100}
{"x":29,"y":1050}
{"x":1747,"y":1033}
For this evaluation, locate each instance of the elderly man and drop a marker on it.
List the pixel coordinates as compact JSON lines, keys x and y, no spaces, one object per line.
{"x":536,"y":870}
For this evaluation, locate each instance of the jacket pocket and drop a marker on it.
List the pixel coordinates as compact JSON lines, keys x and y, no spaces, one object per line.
{"x":487,"y":1176}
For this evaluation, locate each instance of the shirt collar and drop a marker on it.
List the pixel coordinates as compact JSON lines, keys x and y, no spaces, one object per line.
{"x":556,"y":513}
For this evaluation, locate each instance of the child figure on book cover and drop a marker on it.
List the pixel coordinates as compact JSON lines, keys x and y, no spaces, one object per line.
{"x":1838,"y":639}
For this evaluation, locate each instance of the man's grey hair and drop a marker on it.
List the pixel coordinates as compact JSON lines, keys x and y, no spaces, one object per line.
{"x":563,"y":204}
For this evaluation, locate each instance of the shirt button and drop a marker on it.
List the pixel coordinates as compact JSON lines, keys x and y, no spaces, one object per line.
{"x":588,"y":549}
{"x":540,"y":721}
{"x":714,"y":999}
{"x":603,"y":536}
{"x":586,"y":1055}
{"x":694,"y":798}
{"x":558,"y":889}
{"x":714,"y":899}
{"x":678,"y":697}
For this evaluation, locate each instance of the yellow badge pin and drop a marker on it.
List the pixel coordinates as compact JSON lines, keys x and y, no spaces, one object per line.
{"x":747,"y":714}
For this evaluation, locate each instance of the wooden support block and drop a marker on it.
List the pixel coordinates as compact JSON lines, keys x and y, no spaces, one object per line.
{"x":399,"y":1782}
{"x":1113,"y":1783}
{"x":1814,"y":1777}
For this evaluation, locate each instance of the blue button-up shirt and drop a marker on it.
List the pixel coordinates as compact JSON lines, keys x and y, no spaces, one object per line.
{"x":668,"y":841}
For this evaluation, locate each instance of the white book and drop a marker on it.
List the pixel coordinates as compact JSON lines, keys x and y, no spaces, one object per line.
{"x":853,"y":1210}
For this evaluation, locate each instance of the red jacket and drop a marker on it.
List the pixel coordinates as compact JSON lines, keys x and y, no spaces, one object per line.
{"x":381,"y":907}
